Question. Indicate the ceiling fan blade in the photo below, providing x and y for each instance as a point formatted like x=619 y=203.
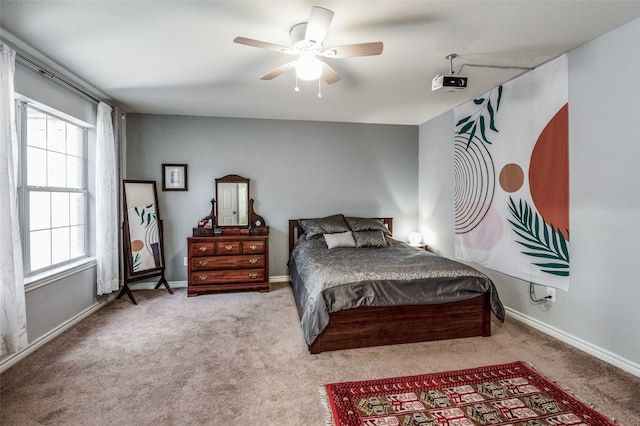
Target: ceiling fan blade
x=278 y=71
x=318 y=24
x=329 y=74
x=261 y=44
x=351 y=50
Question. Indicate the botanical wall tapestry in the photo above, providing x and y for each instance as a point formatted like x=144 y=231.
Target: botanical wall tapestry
x=511 y=172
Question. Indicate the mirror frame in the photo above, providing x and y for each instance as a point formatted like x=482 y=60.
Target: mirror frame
x=233 y=179
x=146 y=193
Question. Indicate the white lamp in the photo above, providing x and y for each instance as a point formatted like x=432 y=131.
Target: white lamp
x=415 y=238
x=308 y=67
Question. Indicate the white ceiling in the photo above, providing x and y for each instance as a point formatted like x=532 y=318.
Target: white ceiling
x=178 y=57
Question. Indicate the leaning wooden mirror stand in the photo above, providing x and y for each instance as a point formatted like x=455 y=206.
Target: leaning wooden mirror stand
x=142 y=236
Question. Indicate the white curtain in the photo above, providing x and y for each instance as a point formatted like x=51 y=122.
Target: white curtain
x=13 y=319
x=106 y=204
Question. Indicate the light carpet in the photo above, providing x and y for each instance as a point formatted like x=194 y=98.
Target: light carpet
x=240 y=358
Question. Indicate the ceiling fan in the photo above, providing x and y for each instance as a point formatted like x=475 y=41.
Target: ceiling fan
x=306 y=42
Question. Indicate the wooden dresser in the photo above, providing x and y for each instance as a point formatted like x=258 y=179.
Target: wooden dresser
x=228 y=263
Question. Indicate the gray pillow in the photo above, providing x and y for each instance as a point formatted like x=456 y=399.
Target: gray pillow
x=369 y=239
x=325 y=225
x=358 y=224
x=341 y=239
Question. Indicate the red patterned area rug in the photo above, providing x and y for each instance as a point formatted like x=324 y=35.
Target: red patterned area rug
x=509 y=394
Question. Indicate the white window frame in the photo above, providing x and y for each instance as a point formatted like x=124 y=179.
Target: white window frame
x=24 y=190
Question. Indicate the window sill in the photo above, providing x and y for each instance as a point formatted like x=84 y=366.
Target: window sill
x=39 y=280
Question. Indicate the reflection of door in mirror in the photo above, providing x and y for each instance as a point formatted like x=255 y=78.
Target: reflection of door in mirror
x=232 y=204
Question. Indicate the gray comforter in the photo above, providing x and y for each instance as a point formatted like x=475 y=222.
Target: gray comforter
x=330 y=280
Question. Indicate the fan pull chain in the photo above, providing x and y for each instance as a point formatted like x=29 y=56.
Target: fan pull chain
x=297 y=88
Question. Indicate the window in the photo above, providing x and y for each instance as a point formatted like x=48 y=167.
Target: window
x=53 y=190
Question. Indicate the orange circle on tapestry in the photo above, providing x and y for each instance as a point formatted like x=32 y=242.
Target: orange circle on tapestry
x=511 y=177
x=136 y=245
x=549 y=172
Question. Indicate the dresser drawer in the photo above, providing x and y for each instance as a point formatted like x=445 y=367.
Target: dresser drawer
x=227 y=262
x=202 y=249
x=249 y=247
x=223 y=277
x=224 y=248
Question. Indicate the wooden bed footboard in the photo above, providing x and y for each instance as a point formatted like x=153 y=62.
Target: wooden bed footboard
x=377 y=326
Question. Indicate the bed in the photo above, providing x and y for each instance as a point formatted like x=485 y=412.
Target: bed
x=376 y=290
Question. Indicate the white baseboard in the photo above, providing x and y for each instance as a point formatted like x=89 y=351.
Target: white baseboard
x=598 y=352
x=280 y=279
x=39 y=342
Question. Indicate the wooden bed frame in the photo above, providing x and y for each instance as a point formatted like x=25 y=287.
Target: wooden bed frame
x=376 y=326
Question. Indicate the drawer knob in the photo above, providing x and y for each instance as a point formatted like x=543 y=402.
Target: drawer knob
x=253 y=275
x=203 y=248
x=253 y=261
x=253 y=246
x=228 y=247
x=202 y=277
x=203 y=263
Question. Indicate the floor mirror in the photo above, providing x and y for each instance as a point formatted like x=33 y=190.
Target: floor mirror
x=142 y=233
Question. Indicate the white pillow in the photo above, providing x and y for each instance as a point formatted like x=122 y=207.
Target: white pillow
x=341 y=239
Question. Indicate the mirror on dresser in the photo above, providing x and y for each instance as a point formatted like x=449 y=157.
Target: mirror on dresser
x=232 y=210
x=232 y=202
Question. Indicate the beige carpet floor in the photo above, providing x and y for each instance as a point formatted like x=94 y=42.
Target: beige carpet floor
x=240 y=359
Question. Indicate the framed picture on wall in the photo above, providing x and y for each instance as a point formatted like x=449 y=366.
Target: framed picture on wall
x=174 y=177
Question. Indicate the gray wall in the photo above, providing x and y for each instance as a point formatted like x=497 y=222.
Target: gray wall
x=53 y=304
x=297 y=169
x=599 y=311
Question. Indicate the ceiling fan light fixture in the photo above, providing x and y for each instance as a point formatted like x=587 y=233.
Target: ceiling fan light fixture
x=307 y=39
x=308 y=67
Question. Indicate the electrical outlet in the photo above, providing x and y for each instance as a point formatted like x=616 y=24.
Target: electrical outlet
x=185 y=262
x=551 y=294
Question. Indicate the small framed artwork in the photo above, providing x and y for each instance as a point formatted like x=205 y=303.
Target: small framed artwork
x=174 y=177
